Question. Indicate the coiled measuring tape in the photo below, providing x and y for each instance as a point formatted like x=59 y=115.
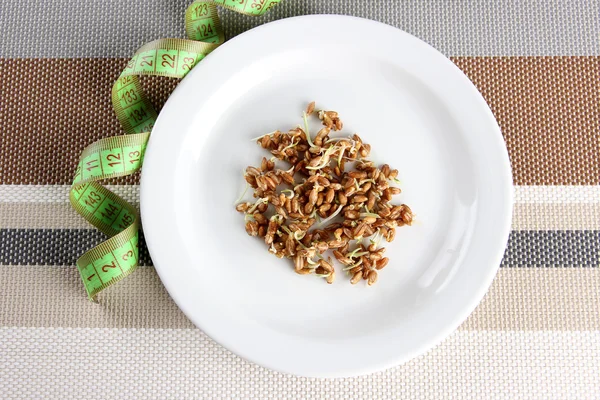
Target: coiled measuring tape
x=117 y=156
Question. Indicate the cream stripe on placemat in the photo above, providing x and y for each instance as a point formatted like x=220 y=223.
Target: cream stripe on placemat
x=153 y=363
x=553 y=216
x=535 y=208
x=519 y=299
x=579 y=194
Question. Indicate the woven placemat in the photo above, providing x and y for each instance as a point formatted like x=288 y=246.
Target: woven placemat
x=536 y=335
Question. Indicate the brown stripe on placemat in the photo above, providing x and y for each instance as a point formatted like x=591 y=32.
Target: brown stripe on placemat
x=519 y=299
x=54 y=108
x=549 y=111
x=547 y=107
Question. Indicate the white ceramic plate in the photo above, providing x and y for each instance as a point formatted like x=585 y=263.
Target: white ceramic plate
x=419 y=113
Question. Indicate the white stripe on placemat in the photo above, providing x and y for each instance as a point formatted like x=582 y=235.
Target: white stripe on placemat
x=59 y=363
x=57 y=193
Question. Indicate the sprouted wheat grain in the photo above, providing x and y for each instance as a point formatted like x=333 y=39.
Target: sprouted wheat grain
x=319 y=186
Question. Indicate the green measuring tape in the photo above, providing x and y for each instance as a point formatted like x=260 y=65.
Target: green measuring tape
x=111 y=157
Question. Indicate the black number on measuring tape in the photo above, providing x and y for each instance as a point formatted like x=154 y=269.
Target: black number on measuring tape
x=138 y=115
x=92 y=198
x=205 y=29
x=126 y=221
x=109 y=212
x=129 y=96
x=200 y=10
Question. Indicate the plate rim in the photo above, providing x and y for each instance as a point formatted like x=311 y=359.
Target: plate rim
x=478 y=294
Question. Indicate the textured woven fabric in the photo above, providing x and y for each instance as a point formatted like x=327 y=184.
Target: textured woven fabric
x=116 y=28
x=535 y=335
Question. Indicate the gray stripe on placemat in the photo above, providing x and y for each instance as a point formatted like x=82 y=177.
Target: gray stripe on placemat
x=116 y=28
x=552 y=248
x=54 y=246
x=525 y=248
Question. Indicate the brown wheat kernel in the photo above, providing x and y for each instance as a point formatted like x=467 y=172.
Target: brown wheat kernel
x=242 y=207
x=258 y=217
x=304 y=271
x=252 y=228
x=375 y=256
x=334 y=244
x=330 y=278
x=382 y=263
x=262 y=231
x=372 y=278
x=356 y=277
x=385 y=170
x=391 y=234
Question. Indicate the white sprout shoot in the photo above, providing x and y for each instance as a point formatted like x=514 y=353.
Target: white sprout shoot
x=349 y=267
x=239 y=199
x=277 y=218
x=258 y=203
x=353 y=148
x=272 y=249
x=338 y=139
x=289 y=146
x=308 y=139
x=341 y=155
x=323 y=275
x=325 y=158
x=262 y=136
x=355 y=253
x=290 y=191
x=376 y=238
x=332 y=216
x=298 y=238
x=298 y=235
